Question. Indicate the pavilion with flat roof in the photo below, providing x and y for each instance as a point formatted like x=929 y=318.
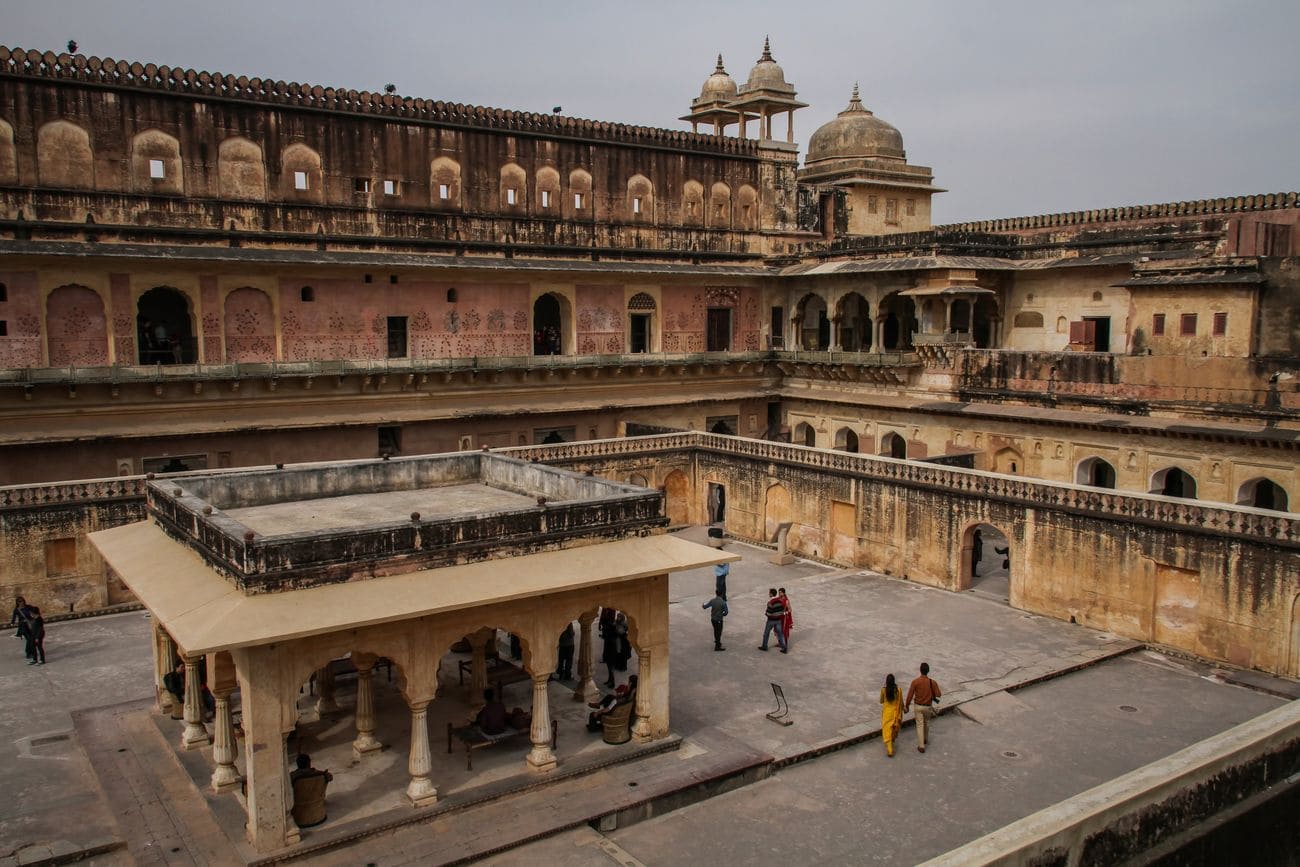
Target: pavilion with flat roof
x=275 y=574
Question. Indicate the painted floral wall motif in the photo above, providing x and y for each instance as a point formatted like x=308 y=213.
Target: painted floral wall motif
x=250 y=326
x=601 y=313
x=77 y=327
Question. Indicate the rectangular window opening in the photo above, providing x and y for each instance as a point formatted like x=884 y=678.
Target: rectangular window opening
x=361 y=185
x=636 y=204
x=1158 y=324
x=396 y=336
x=891 y=210
x=157 y=170
x=577 y=201
x=873 y=205
x=911 y=207
x=1220 y=324
x=300 y=180
x=1187 y=325
x=546 y=198
x=391 y=187
x=4 y=328
x=510 y=195
x=390 y=440
x=444 y=191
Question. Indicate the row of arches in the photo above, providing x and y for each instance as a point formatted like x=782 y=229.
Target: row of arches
x=851 y=327
x=892 y=444
x=65 y=158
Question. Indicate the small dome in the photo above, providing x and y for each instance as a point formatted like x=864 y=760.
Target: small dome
x=855 y=132
x=718 y=87
x=767 y=74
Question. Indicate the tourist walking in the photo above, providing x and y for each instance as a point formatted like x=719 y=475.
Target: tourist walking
x=18 y=619
x=788 y=623
x=775 y=621
x=891 y=713
x=720 y=573
x=717 y=610
x=35 y=636
x=564 y=654
x=924 y=693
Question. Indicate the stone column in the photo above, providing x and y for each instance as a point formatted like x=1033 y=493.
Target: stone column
x=162 y=665
x=365 y=744
x=641 y=730
x=586 y=689
x=221 y=674
x=789 y=126
x=420 y=790
x=195 y=734
x=225 y=776
x=837 y=334
x=269 y=797
x=541 y=757
x=292 y=834
x=325 y=702
x=947 y=315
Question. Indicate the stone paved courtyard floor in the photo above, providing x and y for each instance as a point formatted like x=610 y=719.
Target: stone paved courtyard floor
x=998 y=756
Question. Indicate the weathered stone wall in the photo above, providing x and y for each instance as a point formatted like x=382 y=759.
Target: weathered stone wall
x=1219 y=582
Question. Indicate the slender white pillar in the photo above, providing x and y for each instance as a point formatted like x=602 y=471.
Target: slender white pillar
x=420 y=790
x=645 y=686
x=541 y=757
x=225 y=776
x=586 y=689
x=365 y=743
x=195 y=734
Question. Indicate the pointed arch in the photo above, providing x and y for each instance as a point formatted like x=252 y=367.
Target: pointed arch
x=8 y=154
x=893 y=445
x=513 y=193
x=301 y=177
x=579 y=202
x=719 y=215
x=1261 y=493
x=778 y=509
x=76 y=327
x=548 y=192
x=1095 y=472
x=249 y=325
x=64 y=157
x=1174 y=482
x=156 y=163
x=746 y=208
x=805 y=435
x=693 y=203
x=241 y=170
x=640 y=205
x=846 y=440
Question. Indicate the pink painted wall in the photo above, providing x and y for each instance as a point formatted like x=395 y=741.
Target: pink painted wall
x=250 y=326
x=602 y=311
x=22 y=317
x=77 y=327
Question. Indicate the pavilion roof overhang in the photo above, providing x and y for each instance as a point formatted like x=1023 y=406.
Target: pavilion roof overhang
x=204 y=613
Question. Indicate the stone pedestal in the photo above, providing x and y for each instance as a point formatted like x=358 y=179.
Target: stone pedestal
x=365 y=743
x=541 y=757
x=420 y=790
x=225 y=776
x=195 y=735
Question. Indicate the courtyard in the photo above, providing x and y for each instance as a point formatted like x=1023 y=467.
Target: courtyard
x=1035 y=711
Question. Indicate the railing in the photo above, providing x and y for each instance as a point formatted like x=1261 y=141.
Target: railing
x=66 y=493
x=1265 y=525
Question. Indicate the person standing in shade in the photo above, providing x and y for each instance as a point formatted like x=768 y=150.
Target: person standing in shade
x=564 y=661
x=976 y=554
x=720 y=573
x=35 y=635
x=924 y=693
x=775 y=621
x=891 y=713
x=609 y=652
x=19 y=619
x=717 y=610
x=788 y=623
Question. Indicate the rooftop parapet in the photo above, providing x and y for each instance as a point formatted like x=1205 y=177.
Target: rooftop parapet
x=281 y=529
x=1164 y=210
x=216 y=85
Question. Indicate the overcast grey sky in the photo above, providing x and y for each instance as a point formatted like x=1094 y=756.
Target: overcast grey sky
x=1020 y=107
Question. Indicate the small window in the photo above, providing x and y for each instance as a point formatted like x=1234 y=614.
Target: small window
x=1187 y=328
x=361 y=185
x=891 y=210
x=390 y=440
x=873 y=205
x=4 y=292
x=546 y=198
x=1220 y=324
x=391 y=188
x=60 y=556
x=911 y=207
x=510 y=195
x=369 y=278
x=636 y=204
x=300 y=180
x=1096 y=296
x=157 y=170
x=577 y=201
x=444 y=191
x=1158 y=324
x=451 y=296
x=4 y=328
x=392 y=278
x=308 y=294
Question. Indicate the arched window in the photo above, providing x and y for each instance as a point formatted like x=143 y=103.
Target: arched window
x=1095 y=472
x=301 y=177
x=815 y=331
x=514 y=189
x=548 y=192
x=893 y=445
x=640 y=206
x=241 y=170
x=692 y=203
x=719 y=214
x=550 y=325
x=156 y=163
x=746 y=208
x=641 y=323
x=76 y=327
x=579 y=202
x=1174 y=482
x=451 y=296
x=444 y=183
x=8 y=154
x=1263 y=494
x=804 y=435
x=846 y=440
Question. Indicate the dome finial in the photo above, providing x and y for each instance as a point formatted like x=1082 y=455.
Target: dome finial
x=855 y=102
x=719 y=67
x=767 y=50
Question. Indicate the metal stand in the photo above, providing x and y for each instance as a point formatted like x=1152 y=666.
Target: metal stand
x=782 y=707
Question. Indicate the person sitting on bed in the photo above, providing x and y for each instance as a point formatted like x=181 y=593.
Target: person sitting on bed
x=491 y=720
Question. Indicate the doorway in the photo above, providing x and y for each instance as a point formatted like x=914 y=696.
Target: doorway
x=718 y=337
x=717 y=503
x=986 y=563
x=1099 y=332
x=163 y=327
x=548 y=326
x=639 y=333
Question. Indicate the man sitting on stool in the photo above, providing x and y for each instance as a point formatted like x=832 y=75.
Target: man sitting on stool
x=308 y=792
x=493 y=718
x=604 y=706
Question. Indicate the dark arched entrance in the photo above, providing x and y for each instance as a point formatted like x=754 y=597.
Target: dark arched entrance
x=894 y=446
x=548 y=326
x=164 y=330
x=1097 y=473
x=1174 y=482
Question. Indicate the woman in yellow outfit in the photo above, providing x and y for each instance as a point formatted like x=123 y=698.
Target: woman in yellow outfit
x=891 y=713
